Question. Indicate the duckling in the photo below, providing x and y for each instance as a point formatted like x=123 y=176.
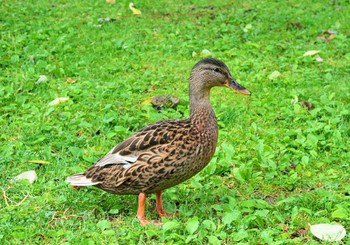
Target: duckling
x=165 y=153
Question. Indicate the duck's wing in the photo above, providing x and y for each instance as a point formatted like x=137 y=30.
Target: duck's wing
x=151 y=146
x=157 y=139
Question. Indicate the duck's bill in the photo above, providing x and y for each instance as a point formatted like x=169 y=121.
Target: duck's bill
x=237 y=87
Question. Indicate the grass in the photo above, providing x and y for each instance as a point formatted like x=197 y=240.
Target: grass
x=278 y=165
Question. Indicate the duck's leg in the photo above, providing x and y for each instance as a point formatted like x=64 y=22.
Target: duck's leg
x=141 y=209
x=159 y=206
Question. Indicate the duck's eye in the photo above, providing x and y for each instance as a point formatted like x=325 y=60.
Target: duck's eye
x=217 y=70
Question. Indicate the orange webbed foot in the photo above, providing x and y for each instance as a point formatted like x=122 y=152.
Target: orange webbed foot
x=159 y=207
x=141 y=212
x=144 y=222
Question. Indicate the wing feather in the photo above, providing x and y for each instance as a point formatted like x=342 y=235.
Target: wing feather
x=144 y=145
x=156 y=147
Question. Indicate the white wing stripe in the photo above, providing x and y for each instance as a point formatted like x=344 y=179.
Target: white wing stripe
x=117 y=159
x=80 y=180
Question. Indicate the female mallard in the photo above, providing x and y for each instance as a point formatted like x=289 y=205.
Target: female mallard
x=168 y=152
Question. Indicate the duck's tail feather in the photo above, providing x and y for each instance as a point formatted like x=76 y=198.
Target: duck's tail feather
x=80 y=180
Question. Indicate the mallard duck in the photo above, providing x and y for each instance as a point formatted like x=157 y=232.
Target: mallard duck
x=165 y=153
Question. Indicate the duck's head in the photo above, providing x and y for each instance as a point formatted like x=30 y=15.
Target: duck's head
x=211 y=72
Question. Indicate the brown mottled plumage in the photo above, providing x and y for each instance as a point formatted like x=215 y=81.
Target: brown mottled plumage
x=168 y=152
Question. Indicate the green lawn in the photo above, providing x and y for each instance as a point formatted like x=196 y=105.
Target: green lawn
x=278 y=166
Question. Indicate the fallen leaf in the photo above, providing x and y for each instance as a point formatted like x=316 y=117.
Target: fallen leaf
x=311 y=53
x=134 y=10
x=205 y=53
x=42 y=79
x=28 y=175
x=308 y=105
x=39 y=161
x=330 y=37
x=328 y=232
x=147 y=101
x=274 y=75
x=327 y=35
x=299 y=233
x=71 y=80
x=295 y=100
x=318 y=58
x=110 y=1
x=58 y=101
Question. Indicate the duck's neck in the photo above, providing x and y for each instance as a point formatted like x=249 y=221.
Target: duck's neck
x=203 y=118
x=200 y=107
x=199 y=96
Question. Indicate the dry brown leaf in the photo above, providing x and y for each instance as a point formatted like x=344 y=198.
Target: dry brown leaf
x=308 y=105
x=110 y=1
x=327 y=35
x=71 y=80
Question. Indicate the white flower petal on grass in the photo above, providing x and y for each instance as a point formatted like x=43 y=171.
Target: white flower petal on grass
x=205 y=53
x=274 y=75
x=328 y=232
x=318 y=58
x=311 y=52
x=58 y=101
x=42 y=79
x=28 y=175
